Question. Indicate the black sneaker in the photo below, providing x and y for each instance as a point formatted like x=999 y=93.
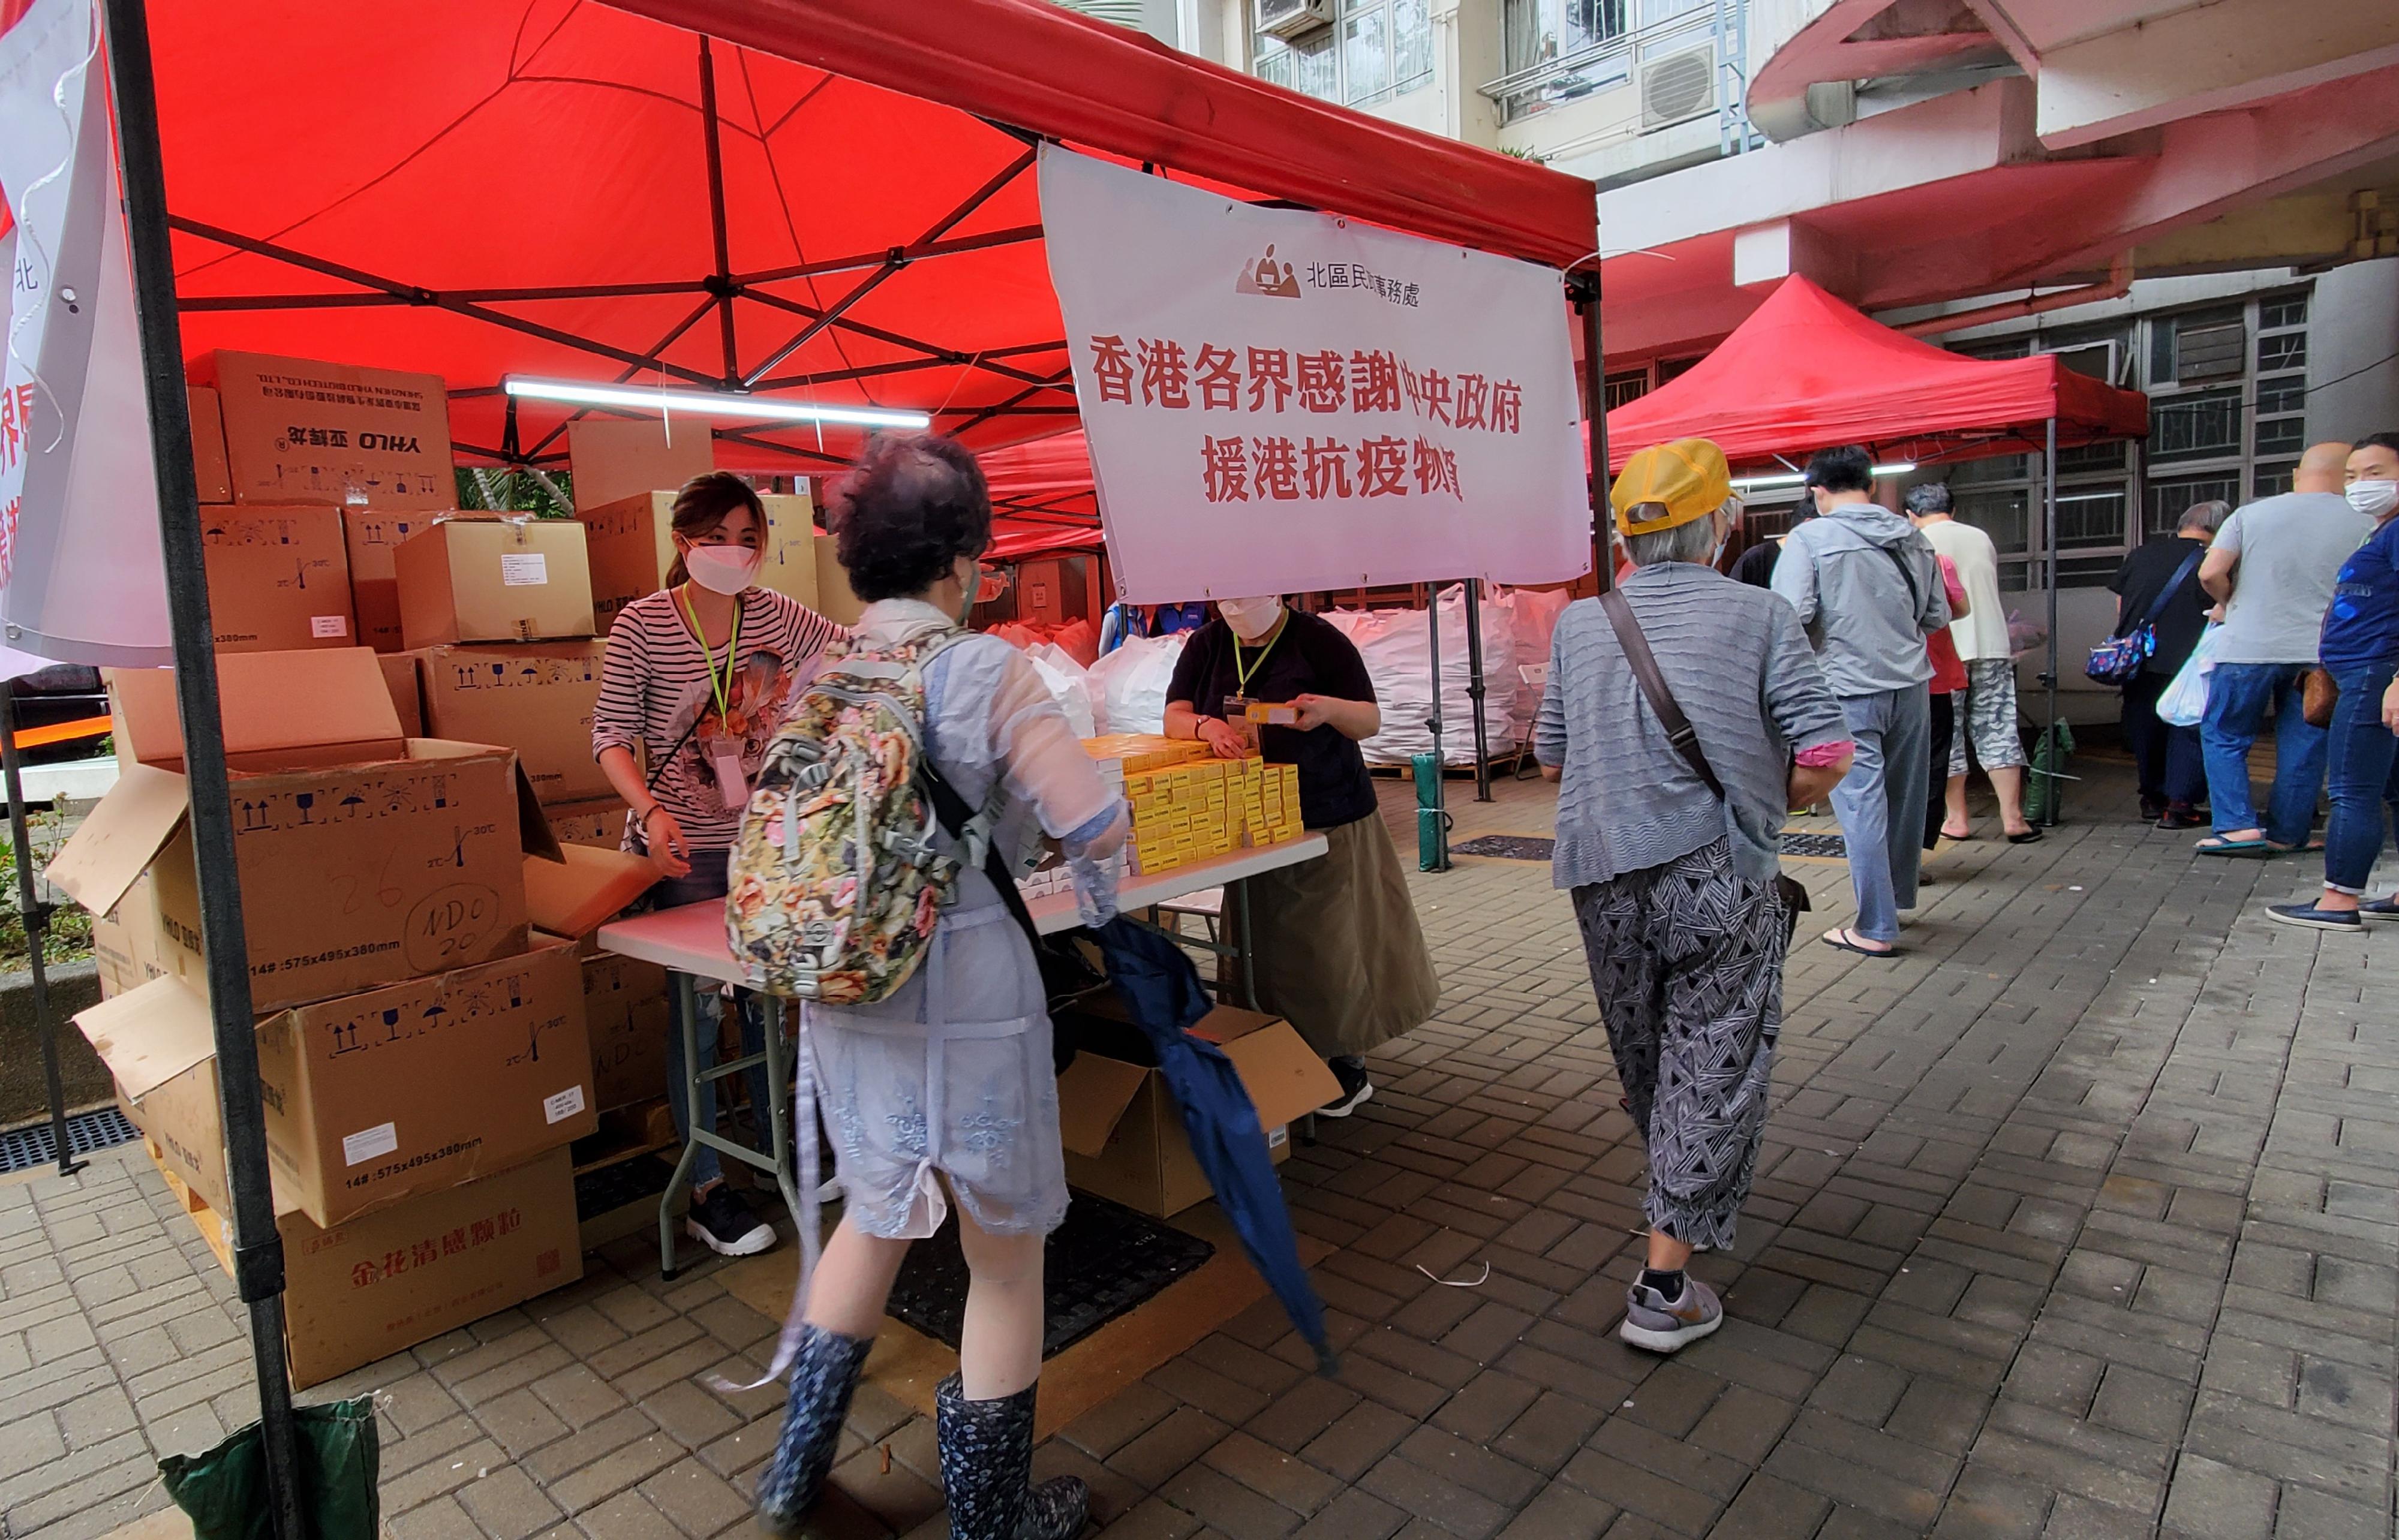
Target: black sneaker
x=725 y=1224
x=1356 y=1090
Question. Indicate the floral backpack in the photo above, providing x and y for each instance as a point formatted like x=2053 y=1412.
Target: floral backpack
x=836 y=884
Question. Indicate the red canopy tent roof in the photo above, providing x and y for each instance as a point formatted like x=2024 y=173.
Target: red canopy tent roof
x=831 y=199
x=1808 y=370
x=1042 y=495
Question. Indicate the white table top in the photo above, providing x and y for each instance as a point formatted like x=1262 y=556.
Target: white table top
x=691 y=938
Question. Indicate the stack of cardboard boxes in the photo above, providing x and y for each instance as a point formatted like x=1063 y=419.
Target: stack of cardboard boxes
x=423 y=1069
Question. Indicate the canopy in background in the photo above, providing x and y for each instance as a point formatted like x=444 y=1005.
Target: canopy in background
x=481 y=189
x=1043 y=498
x=1807 y=371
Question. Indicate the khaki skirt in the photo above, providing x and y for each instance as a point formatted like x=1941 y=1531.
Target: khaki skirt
x=1336 y=947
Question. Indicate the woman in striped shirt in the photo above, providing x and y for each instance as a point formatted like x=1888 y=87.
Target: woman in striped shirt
x=698 y=677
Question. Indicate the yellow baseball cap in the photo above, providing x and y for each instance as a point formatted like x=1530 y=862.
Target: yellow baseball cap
x=1667 y=485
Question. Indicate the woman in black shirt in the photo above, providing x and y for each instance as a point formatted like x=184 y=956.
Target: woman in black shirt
x=2173 y=783
x=1335 y=942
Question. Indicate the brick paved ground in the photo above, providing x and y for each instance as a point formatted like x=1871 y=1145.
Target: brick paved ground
x=2080 y=1220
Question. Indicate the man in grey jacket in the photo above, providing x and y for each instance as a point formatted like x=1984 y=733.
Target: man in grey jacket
x=1868 y=589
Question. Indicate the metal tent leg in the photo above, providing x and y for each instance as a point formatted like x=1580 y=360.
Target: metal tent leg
x=2056 y=789
x=1474 y=688
x=37 y=915
x=257 y=1244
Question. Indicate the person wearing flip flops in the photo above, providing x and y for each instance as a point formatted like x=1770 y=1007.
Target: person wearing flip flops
x=1868 y=587
x=1682 y=717
x=2360 y=652
x=2273 y=567
x=1985 y=714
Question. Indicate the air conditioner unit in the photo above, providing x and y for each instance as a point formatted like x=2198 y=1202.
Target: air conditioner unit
x=1677 y=86
x=1292 y=17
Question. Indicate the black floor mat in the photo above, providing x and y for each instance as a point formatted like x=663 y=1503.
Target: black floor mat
x=1102 y=1263
x=610 y=1187
x=1816 y=845
x=1507 y=847
x=104 y=1129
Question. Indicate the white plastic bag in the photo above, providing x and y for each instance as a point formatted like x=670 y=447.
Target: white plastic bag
x=2184 y=700
x=1129 y=685
x=1068 y=685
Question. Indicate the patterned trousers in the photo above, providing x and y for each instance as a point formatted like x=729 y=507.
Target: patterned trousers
x=1687 y=961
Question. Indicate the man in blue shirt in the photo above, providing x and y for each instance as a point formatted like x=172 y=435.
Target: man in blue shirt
x=2360 y=650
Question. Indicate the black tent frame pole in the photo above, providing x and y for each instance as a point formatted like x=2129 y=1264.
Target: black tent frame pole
x=2049 y=672
x=257 y=1247
x=1474 y=688
x=37 y=915
x=1595 y=407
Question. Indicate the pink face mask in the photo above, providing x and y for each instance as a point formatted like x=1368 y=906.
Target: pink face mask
x=723 y=569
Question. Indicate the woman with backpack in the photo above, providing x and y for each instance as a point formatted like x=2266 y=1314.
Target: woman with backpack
x=697 y=677
x=946 y=1090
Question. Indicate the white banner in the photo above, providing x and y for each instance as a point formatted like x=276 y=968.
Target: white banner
x=81 y=576
x=1283 y=401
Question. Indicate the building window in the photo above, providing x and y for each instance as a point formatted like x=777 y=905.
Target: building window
x=1559 y=51
x=2168 y=501
x=2196 y=348
x=1378 y=49
x=2196 y=426
x=1629 y=385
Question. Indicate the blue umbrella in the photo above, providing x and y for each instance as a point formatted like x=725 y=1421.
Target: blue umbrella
x=1163 y=994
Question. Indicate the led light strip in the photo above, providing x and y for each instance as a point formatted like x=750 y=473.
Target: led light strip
x=706 y=403
x=1793 y=479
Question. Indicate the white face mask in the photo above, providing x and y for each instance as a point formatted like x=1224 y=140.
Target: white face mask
x=723 y=569
x=2374 y=498
x=1250 y=619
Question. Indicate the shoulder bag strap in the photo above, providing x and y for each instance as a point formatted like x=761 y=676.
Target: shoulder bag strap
x=1679 y=731
x=2174 y=585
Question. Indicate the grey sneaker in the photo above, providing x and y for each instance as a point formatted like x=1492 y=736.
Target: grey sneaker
x=1651 y=1322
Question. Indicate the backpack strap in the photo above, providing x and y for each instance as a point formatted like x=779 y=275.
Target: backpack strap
x=967 y=825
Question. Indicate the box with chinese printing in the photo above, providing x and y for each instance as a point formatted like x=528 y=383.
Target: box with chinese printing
x=632 y=548
x=389 y=1280
x=1124 y=1137
x=477 y=579
x=372 y=535
x=300 y=431
x=364 y=858
x=374 y=1097
x=279 y=580
x=536 y=698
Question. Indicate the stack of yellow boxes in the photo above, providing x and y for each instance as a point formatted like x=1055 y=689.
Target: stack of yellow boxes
x=1269 y=803
x=1183 y=801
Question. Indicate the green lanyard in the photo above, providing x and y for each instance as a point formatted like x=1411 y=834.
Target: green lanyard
x=720 y=689
x=1241 y=676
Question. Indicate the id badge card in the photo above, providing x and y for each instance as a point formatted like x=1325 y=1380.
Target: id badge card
x=732 y=785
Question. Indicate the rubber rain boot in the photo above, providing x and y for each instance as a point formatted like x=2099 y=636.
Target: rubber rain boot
x=824 y=1373
x=987 y=1471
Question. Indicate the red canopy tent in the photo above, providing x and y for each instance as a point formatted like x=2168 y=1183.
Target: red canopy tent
x=806 y=196
x=1043 y=496
x=1807 y=371
x=827 y=198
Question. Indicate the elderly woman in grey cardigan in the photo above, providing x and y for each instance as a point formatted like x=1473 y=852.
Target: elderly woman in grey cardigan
x=1675 y=884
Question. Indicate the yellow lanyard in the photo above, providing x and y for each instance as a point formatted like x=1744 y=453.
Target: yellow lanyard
x=720 y=689
x=1241 y=676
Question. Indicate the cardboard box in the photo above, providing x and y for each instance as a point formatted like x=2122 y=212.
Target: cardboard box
x=209 y=467
x=835 y=600
x=364 y=858
x=372 y=535
x=1123 y=1136
x=384 y=1283
x=584 y=888
x=632 y=548
x=626 y=1014
x=377 y=1097
x=599 y=823
x=536 y=698
x=300 y=431
x=478 y=579
x=615 y=457
x=279 y=580
x=407 y=696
